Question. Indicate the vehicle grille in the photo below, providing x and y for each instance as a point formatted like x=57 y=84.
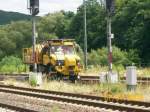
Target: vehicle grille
x=71 y=67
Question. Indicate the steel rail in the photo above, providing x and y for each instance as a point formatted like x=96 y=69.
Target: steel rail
x=83 y=102
x=96 y=79
x=15 y=108
x=14 y=74
x=82 y=78
x=140 y=103
x=94 y=101
x=121 y=78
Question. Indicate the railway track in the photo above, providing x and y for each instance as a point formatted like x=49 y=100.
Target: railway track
x=94 y=101
x=11 y=108
x=20 y=77
x=83 y=79
x=96 y=79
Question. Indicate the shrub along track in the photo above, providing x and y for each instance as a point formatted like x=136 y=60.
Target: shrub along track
x=94 y=101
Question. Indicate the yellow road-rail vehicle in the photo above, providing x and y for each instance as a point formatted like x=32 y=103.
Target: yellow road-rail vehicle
x=55 y=57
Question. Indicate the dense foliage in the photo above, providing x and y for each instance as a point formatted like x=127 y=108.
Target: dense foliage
x=99 y=56
x=55 y=25
x=12 y=64
x=130 y=24
x=96 y=25
x=13 y=37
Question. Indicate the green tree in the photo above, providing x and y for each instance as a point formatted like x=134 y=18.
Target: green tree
x=96 y=25
x=54 y=25
x=14 y=37
x=6 y=45
x=131 y=27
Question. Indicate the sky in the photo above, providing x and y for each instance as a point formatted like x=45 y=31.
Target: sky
x=46 y=6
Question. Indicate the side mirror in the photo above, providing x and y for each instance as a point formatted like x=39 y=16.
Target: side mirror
x=77 y=49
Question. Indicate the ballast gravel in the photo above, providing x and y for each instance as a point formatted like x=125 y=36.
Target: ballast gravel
x=6 y=110
x=44 y=105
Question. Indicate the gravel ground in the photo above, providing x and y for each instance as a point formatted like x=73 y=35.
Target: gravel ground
x=43 y=105
x=6 y=110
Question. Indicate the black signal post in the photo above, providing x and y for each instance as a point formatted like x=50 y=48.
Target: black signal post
x=33 y=6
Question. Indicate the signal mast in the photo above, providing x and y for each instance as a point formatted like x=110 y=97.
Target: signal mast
x=85 y=36
x=33 y=6
x=110 y=7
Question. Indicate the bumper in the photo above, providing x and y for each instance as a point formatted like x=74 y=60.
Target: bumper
x=68 y=70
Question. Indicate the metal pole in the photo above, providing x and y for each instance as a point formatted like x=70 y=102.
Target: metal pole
x=34 y=44
x=109 y=42
x=85 y=37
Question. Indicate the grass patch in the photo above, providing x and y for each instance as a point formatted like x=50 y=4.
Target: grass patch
x=143 y=72
x=108 y=90
x=97 y=89
x=33 y=82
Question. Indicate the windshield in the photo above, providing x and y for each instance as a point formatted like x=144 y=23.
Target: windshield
x=62 y=50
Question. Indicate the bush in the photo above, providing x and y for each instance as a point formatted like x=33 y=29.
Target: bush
x=100 y=57
x=116 y=89
x=33 y=82
x=11 y=64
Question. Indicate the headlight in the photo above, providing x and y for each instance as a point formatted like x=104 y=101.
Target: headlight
x=60 y=63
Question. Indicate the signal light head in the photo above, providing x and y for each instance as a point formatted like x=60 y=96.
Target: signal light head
x=110 y=6
x=34 y=7
x=34 y=3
